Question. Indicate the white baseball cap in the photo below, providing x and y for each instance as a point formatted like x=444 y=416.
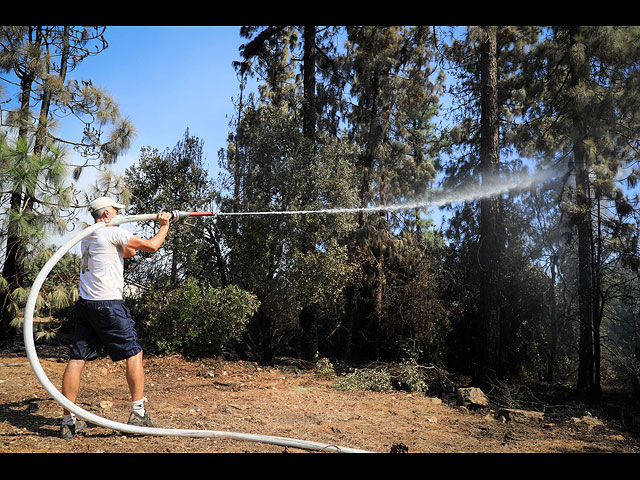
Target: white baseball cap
x=103 y=202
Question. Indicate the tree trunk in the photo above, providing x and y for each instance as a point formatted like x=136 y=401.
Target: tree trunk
x=553 y=344
x=490 y=248
x=585 y=285
x=585 y=382
x=598 y=303
x=308 y=316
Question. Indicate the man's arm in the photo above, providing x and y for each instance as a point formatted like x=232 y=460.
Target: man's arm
x=150 y=245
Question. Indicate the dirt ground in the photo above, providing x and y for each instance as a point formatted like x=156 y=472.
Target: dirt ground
x=284 y=401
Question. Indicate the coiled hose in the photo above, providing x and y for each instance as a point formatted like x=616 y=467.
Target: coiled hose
x=123 y=427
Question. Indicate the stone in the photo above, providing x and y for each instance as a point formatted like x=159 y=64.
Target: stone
x=514 y=414
x=472 y=397
x=589 y=421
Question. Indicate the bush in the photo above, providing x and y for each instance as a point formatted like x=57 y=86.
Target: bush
x=364 y=379
x=325 y=367
x=411 y=376
x=197 y=319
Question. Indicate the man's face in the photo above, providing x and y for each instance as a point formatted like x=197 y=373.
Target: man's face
x=112 y=212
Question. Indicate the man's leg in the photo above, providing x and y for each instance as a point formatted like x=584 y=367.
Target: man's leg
x=135 y=377
x=135 y=380
x=71 y=380
x=70 y=387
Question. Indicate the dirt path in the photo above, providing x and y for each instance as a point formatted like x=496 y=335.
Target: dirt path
x=219 y=395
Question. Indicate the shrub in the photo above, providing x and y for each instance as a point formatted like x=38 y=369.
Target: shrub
x=196 y=318
x=364 y=379
x=411 y=376
x=325 y=367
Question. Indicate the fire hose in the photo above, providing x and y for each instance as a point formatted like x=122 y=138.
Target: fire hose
x=123 y=427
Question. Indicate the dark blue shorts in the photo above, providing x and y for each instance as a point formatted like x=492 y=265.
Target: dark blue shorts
x=104 y=324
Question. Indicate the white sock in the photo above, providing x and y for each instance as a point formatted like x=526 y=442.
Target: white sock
x=138 y=407
x=68 y=419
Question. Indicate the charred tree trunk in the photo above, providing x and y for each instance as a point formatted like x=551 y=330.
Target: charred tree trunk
x=553 y=343
x=490 y=248
x=585 y=279
x=583 y=225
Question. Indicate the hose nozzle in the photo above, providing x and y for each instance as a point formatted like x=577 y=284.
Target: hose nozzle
x=179 y=215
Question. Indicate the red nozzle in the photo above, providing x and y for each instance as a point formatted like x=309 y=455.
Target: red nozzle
x=201 y=214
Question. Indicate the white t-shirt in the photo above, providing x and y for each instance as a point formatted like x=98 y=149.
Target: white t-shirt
x=101 y=273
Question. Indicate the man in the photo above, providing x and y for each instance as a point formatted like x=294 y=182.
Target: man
x=102 y=318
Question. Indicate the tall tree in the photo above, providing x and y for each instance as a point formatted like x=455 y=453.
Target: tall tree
x=584 y=107
x=392 y=100
x=277 y=162
x=175 y=180
x=313 y=54
x=491 y=239
x=40 y=58
x=487 y=64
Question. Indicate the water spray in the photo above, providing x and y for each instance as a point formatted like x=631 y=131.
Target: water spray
x=489 y=188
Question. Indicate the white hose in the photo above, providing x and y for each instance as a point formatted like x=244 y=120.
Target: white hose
x=123 y=427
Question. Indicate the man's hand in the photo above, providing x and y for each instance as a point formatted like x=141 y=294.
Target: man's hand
x=164 y=218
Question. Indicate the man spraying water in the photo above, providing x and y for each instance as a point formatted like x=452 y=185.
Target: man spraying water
x=101 y=286
x=103 y=321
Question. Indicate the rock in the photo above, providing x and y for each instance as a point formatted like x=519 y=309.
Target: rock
x=472 y=397
x=514 y=414
x=588 y=420
x=434 y=400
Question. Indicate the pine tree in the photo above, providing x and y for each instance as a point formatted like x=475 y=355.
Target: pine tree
x=487 y=62
x=584 y=108
x=40 y=58
x=278 y=160
x=392 y=102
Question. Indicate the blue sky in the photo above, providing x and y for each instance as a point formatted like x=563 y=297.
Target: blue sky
x=165 y=80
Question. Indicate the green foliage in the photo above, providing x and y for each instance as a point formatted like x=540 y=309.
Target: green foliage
x=174 y=179
x=375 y=380
x=60 y=289
x=289 y=261
x=56 y=298
x=412 y=377
x=325 y=367
x=196 y=318
x=40 y=177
